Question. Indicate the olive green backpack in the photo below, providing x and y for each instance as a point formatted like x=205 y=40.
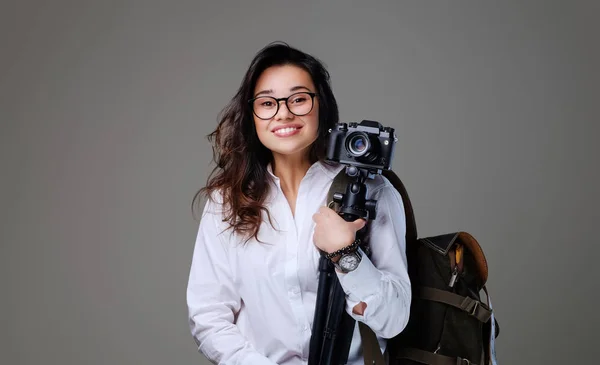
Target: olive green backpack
x=449 y=323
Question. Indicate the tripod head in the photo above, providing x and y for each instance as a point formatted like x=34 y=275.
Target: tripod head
x=354 y=203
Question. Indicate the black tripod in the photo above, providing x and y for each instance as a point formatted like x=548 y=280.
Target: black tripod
x=333 y=326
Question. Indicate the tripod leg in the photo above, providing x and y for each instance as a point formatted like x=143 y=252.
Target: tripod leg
x=337 y=339
x=344 y=337
x=326 y=278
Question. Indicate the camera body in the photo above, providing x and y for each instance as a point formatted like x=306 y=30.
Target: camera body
x=367 y=145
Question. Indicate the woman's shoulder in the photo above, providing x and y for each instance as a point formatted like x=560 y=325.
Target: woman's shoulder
x=380 y=187
x=377 y=183
x=212 y=204
x=213 y=219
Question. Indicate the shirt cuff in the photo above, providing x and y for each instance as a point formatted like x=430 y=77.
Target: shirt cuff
x=363 y=282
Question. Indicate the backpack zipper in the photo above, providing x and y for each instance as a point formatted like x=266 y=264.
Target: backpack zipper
x=455 y=263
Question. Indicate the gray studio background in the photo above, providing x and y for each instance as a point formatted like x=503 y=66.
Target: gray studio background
x=104 y=108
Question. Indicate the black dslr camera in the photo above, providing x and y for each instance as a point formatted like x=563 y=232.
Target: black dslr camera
x=367 y=145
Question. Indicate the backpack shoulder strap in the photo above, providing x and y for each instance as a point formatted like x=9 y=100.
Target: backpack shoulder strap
x=411 y=225
x=371 y=350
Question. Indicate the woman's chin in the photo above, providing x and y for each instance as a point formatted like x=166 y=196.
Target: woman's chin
x=291 y=153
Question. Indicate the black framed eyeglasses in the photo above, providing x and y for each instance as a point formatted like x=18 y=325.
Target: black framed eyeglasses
x=299 y=104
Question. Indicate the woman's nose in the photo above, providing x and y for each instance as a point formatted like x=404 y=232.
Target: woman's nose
x=283 y=112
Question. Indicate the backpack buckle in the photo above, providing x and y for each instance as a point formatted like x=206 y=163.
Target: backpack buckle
x=462 y=361
x=474 y=310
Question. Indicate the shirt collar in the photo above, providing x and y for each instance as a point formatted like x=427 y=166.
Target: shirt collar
x=270 y=171
x=331 y=169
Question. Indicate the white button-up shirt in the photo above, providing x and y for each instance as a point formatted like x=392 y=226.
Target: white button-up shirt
x=254 y=303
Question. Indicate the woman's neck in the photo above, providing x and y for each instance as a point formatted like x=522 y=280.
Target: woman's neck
x=290 y=170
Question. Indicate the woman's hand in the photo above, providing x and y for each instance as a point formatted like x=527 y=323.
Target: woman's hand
x=332 y=232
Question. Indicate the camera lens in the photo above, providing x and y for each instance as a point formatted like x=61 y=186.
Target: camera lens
x=358 y=145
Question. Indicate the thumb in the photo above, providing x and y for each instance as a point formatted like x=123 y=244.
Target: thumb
x=359 y=223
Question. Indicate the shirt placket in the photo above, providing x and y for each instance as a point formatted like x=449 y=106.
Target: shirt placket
x=293 y=285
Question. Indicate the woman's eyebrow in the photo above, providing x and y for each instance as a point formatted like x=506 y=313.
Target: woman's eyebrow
x=295 y=88
x=270 y=91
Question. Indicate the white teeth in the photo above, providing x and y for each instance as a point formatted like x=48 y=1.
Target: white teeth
x=285 y=130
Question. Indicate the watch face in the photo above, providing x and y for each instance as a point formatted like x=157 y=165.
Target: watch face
x=349 y=262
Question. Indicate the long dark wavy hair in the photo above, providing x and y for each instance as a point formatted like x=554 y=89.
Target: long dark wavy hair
x=240 y=174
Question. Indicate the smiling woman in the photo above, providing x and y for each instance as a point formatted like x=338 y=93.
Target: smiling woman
x=242 y=149
x=253 y=284
x=276 y=122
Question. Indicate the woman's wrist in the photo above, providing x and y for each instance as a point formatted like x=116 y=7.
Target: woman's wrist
x=336 y=255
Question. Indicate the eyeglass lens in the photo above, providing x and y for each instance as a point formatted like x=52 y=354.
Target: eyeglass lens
x=266 y=107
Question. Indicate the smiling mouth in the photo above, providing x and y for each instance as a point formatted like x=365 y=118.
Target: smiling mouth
x=288 y=131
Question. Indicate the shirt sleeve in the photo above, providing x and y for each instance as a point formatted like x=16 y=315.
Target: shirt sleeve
x=213 y=301
x=382 y=281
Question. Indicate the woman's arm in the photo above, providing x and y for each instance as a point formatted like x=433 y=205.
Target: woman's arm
x=378 y=290
x=213 y=301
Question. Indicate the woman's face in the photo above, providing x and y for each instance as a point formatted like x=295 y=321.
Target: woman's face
x=280 y=130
